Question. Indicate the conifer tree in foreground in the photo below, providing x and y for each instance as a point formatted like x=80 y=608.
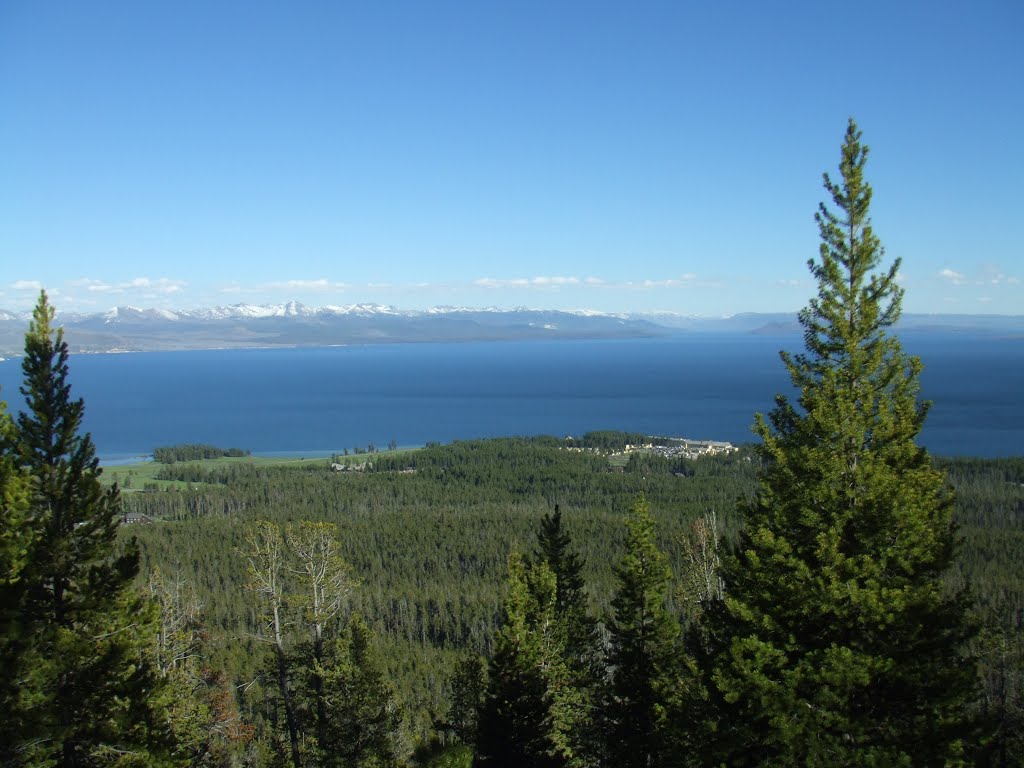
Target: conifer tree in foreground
x=526 y=718
x=89 y=696
x=582 y=655
x=468 y=685
x=365 y=719
x=837 y=642
x=642 y=652
x=16 y=538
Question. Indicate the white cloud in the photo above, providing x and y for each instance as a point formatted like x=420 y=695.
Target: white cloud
x=954 y=277
x=95 y=286
x=320 y=285
x=555 y=281
x=986 y=276
x=993 y=275
x=27 y=285
x=490 y=282
x=687 y=278
x=544 y=282
x=162 y=287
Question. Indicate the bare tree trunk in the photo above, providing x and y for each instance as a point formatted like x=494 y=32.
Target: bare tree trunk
x=291 y=722
x=327 y=581
x=265 y=555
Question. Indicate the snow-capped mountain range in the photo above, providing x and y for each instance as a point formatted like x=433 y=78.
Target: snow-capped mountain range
x=128 y=328
x=288 y=309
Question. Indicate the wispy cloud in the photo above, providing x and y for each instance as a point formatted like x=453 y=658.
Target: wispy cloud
x=27 y=285
x=163 y=286
x=542 y=282
x=671 y=282
x=555 y=281
x=993 y=275
x=526 y=282
x=320 y=285
x=955 y=278
x=988 y=275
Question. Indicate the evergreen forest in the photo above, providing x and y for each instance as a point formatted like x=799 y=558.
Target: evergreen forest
x=828 y=595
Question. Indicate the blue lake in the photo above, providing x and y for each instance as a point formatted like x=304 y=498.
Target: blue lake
x=313 y=401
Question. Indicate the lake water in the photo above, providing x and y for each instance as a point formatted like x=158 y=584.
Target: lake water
x=315 y=401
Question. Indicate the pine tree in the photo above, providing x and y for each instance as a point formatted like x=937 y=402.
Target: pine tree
x=90 y=695
x=583 y=658
x=468 y=685
x=365 y=724
x=642 y=653
x=16 y=539
x=837 y=642
x=527 y=717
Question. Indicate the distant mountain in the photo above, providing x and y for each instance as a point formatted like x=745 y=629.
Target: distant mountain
x=294 y=324
x=782 y=323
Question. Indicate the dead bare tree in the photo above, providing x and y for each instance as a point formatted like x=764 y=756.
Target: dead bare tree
x=700 y=578
x=265 y=555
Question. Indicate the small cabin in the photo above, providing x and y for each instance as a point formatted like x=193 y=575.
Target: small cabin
x=134 y=518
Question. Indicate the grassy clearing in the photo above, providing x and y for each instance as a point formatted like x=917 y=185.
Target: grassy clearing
x=618 y=459
x=132 y=478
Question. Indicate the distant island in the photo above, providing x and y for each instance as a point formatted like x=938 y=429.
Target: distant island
x=131 y=329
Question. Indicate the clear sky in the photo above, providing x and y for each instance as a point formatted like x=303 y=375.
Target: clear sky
x=640 y=156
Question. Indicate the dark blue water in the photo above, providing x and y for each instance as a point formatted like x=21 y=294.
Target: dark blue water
x=315 y=401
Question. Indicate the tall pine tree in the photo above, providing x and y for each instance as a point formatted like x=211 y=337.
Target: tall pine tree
x=837 y=642
x=364 y=728
x=582 y=656
x=642 y=652
x=88 y=699
x=528 y=713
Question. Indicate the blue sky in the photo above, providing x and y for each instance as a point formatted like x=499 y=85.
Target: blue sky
x=605 y=156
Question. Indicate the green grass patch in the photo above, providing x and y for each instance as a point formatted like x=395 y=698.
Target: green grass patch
x=618 y=459
x=132 y=478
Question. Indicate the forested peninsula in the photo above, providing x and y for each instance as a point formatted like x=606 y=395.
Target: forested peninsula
x=832 y=595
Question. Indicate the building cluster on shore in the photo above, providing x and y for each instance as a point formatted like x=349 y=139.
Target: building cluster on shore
x=669 y=447
x=684 y=448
